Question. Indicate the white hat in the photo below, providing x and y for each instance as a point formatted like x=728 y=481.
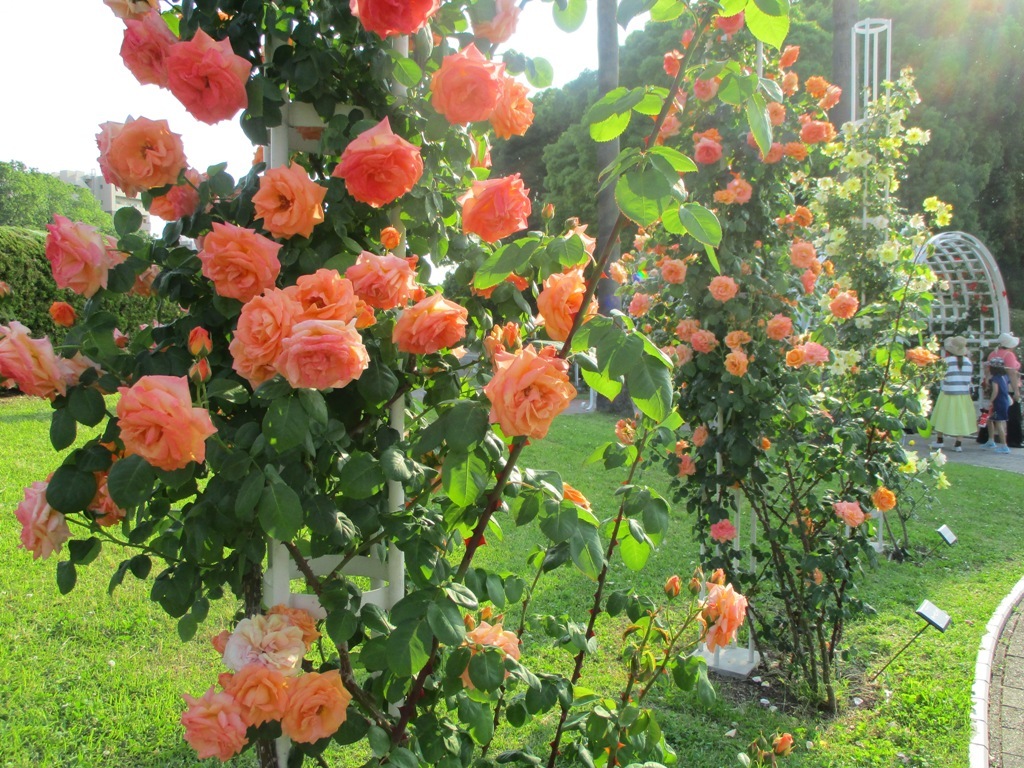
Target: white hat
x=1007 y=340
x=956 y=345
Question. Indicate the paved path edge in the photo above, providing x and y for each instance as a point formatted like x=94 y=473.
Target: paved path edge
x=979 y=748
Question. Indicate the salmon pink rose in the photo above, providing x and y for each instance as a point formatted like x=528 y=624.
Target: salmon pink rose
x=466 y=87
x=817 y=132
x=723 y=288
x=63 y=314
x=795 y=150
x=673 y=271
x=729 y=25
x=272 y=641
x=43 y=529
x=686 y=327
x=703 y=341
x=429 y=325
x=722 y=614
x=393 y=17
x=322 y=354
x=687 y=466
x=213 y=725
x=317 y=707
x=513 y=113
x=302 y=619
x=707 y=151
x=131 y=9
x=240 y=262
x=104 y=508
x=384 y=282
x=705 y=90
x=844 y=305
x=560 y=301
x=849 y=512
x=671 y=63
x=80 y=257
x=501 y=26
x=779 y=327
x=723 y=531
x=775 y=154
x=144 y=48
x=618 y=273
x=289 y=202
x=485 y=636
x=31 y=363
x=495 y=208
x=179 y=201
x=208 y=77
x=808 y=280
x=260 y=692
x=802 y=254
x=528 y=391
x=159 y=423
x=379 y=166
x=325 y=295
x=140 y=154
x=262 y=326
x=699 y=436
x=776 y=113
x=640 y=304
x=625 y=431
x=789 y=56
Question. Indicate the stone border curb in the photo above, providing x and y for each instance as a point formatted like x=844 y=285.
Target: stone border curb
x=979 y=748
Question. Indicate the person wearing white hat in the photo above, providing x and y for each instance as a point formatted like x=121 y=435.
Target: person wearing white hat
x=1005 y=345
x=954 y=410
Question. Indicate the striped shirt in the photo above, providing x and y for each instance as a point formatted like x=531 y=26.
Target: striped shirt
x=958 y=378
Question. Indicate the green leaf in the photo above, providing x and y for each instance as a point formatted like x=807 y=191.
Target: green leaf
x=63 y=429
x=686 y=670
x=634 y=553
x=769 y=29
x=604 y=385
x=187 y=626
x=487 y=670
x=408 y=647
x=465 y=425
x=464 y=477
x=570 y=18
x=127 y=220
x=227 y=390
x=83 y=552
x=87 y=406
x=407 y=72
x=280 y=511
x=341 y=625
x=650 y=387
x=562 y=524
x=250 y=493
x=757 y=119
x=701 y=224
x=378 y=383
x=643 y=194
x=630 y=9
x=539 y=72
x=586 y=550
x=445 y=621
x=130 y=481
x=70 y=489
x=286 y=424
x=667 y=10
x=705 y=690
x=67 y=576
x=513 y=257
x=395 y=465
x=361 y=477
x=679 y=162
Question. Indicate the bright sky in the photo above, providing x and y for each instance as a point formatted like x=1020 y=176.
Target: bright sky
x=63 y=83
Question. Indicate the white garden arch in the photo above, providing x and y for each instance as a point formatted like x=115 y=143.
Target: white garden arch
x=971 y=300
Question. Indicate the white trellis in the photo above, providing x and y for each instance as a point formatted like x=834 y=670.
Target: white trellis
x=871 y=48
x=386 y=575
x=972 y=291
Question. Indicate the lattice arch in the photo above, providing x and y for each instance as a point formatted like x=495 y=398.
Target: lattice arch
x=974 y=305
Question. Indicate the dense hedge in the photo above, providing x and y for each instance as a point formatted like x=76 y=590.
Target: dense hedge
x=23 y=266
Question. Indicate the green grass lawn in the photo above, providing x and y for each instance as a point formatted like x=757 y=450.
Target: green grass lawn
x=94 y=680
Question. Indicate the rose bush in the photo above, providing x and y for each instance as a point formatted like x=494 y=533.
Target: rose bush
x=276 y=413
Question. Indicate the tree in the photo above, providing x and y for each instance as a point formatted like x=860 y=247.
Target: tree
x=844 y=16
x=31 y=198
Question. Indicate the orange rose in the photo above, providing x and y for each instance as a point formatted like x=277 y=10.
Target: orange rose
x=325 y=295
x=776 y=113
x=789 y=56
x=883 y=499
x=393 y=17
x=722 y=614
x=779 y=327
x=736 y=362
x=501 y=26
x=466 y=87
x=673 y=271
x=144 y=48
x=783 y=745
x=432 y=324
x=214 y=726
x=384 y=282
x=260 y=692
x=301 y=619
x=322 y=354
x=262 y=326
x=63 y=314
x=560 y=301
x=736 y=339
x=569 y=493
x=723 y=288
x=795 y=150
x=686 y=327
x=240 y=262
x=379 y=166
x=802 y=254
x=104 y=508
x=687 y=466
x=208 y=77
x=159 y=423
x=140 y=154
x=528 y=391
x=317 y=706
x=802 y=216
x=808 y=279
x=513 y=112
x=816 y=86
x=921 y=356
x=618 y=273
x=707 y=151
x=495 y=208
x=179 y=201
x=795 y=357
x=832 y=95
x=390 y=238
x=699 y=436
x=817 y=131
x=289 y=202
x=640 y=304
x=844 y=306
x=790 y=83
x=486 y=636
x=775 y=154
x=729 y=25
x=703 y=341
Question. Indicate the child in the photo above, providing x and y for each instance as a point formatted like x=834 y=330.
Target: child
x=954 y=410
x=999 y=405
